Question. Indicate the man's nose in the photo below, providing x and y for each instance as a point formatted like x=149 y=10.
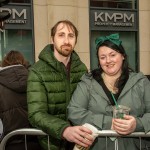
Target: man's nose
x=66 y=40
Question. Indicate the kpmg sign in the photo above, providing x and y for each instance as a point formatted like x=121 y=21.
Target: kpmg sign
x=113 y=20
x=20 y=17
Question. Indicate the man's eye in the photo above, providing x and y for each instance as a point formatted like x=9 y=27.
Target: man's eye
x=61 y=35
x=71 y=35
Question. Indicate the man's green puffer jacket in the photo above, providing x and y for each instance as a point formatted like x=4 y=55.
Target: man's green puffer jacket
x=49 y=92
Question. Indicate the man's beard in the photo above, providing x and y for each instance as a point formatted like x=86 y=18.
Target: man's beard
x=65 y=50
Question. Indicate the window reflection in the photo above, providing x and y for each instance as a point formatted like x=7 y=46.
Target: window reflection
x=17 y=39
x=130 y=4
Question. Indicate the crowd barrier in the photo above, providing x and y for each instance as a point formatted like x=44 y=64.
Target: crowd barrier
x=111 y=133
x=25 y=132
x=37 y=132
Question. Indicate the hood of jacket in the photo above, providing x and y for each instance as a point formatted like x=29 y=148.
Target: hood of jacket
x=133 y=79
x=48 y=57
x=14 y=78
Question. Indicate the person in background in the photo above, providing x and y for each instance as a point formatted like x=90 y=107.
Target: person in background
x=13 y=97
x=93 y=102
x=51 y=82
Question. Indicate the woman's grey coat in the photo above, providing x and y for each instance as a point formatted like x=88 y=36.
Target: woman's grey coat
x=89 y=104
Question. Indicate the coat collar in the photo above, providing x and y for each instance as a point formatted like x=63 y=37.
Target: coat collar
x=47 y=55
x=133 y=79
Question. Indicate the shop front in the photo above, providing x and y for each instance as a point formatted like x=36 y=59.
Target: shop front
x=18 y=29
x=107 y=17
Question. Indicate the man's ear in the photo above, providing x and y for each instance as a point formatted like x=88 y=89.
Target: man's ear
x=52 y=40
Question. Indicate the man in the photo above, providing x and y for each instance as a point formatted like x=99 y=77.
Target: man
x=51 y=82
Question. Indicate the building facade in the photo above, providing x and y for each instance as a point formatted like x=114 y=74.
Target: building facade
x=47 y=12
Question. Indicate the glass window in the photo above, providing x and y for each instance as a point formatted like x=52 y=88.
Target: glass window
x=18 y=34
x=128 y=4
x=17 y=39
x=122 y=19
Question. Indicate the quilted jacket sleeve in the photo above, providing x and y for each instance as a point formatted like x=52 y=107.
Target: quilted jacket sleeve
x=38 y=108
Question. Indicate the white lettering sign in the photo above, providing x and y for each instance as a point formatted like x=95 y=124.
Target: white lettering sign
x=105 y=17
x=15 y=14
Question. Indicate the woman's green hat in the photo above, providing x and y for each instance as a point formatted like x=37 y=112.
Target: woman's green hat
x=114 y=38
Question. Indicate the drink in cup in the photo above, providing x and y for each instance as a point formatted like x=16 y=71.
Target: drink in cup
x=119 y=111
x=94 y=135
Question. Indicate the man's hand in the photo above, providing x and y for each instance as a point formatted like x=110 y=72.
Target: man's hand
x=79 y=135
x=124 y=126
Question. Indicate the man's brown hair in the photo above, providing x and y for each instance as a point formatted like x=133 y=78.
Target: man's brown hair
x=68 y=23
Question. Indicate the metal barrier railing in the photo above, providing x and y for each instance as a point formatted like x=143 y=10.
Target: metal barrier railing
x=112 y=133
x=37 y=132
x=25 y=132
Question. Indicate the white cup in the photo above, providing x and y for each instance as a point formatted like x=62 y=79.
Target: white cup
x=94 y=135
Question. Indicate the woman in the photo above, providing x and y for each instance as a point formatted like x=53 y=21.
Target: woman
x=13 y=84
x=92 y=101
x=13 y=97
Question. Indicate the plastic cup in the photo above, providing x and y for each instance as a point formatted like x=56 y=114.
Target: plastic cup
x=94 y=135
x=120 y=111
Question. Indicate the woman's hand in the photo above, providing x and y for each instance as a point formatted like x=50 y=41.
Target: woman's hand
x=124 y=126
